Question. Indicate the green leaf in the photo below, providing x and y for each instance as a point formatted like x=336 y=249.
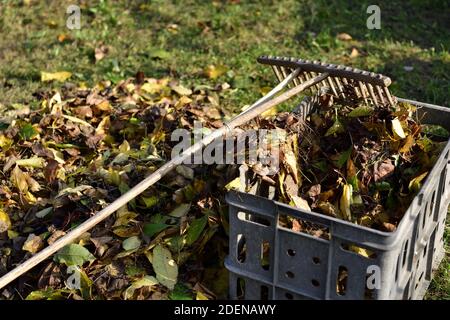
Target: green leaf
x=181 y=210
x=147 y=281
x=150 y=201
x=27 y=131
x=165 y=267
x=181 y=292
x=343 y=157
x=435 y=130
x=195 y=229
x=337 y=127
x=150 y=229
x=361 y=111
x=383 y=186
x=160 y=54
x=131 y=243
x=73 y=254
x=47 y=294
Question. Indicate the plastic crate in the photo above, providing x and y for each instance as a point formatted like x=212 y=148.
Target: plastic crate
x=283 y=264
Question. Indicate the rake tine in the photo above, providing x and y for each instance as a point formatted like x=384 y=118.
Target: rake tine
x=284 y=73
x=388 y=95
x=363 y=89
x=277 y=73
x=380 y=94
x=339 y=84
x=372 y=94
x=332 y=86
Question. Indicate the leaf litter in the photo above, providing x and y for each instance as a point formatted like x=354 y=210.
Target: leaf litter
x=80 y=149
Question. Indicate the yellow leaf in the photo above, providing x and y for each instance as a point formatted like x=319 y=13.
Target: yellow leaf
x=104 y=106
x=33 y=162
x=33 y=243
x=182 y=91
x=154 y=85
x=300 y=203
x=124 y=147
x=5 y=222
x=182 y=101
x=270 y=113
x=201 y=296
x=346 y=201
x=416 y=183
x=76 y=120
x=5 y=142
x=354 y=53
x=361 y=251
x=290 y=161
x=58 y=76
x=397 y=129
x=235 y=185
x=409 y=143
x=19 y=179
x=214 y=72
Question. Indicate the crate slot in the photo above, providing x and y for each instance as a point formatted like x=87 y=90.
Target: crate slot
x=405 y=252
x=341 y=281
x=241 y=253
x=240 y=288
x=265 y=255
x=253 y=218
x=303 y=226
x=355 y=249
x=264 y=293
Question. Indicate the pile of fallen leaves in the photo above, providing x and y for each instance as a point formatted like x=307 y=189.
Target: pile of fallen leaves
x=78 y=150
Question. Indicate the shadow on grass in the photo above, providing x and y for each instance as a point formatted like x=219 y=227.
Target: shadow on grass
x=425 y=23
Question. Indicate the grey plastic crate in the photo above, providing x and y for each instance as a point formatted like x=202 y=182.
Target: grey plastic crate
x=301 y=266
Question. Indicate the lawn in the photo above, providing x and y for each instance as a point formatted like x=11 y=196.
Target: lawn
x=203 y=42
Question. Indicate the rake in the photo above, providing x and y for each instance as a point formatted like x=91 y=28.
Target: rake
x=295 y=75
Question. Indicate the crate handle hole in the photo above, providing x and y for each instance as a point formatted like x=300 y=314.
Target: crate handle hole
x=316 y=260
x=315 y=283
x=341 y=281
x=290 y=274
x=290 y=252
x=289 y=296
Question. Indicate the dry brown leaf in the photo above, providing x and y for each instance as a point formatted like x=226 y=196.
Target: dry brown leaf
x=344 y=36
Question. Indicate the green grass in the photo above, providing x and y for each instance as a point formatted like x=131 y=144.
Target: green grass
x=181 y=38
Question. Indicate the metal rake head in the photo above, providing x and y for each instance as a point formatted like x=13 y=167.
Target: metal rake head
x=342 y=81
